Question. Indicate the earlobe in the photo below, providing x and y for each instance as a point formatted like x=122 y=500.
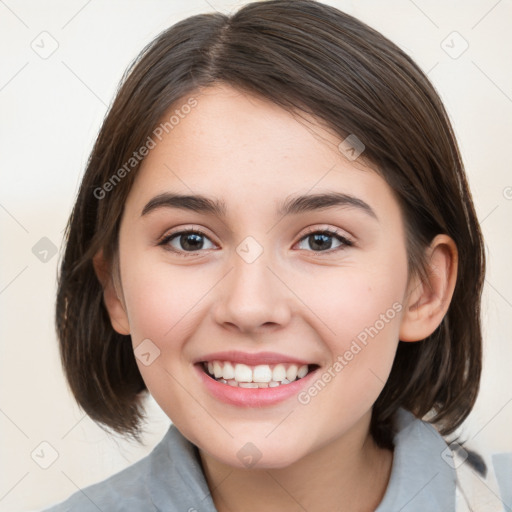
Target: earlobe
x=427 y=301
x=112 y=298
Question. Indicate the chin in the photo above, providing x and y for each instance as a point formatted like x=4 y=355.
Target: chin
x=259 y=453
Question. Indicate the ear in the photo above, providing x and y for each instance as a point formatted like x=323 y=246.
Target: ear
x=427 y=301
x=111 y=297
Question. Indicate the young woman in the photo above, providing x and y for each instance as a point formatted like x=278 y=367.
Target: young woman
x=268 y=239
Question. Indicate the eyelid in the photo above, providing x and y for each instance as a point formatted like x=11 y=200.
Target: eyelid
x=164 y=240
x=185 y=229
x=328 y=229
x=346 y=240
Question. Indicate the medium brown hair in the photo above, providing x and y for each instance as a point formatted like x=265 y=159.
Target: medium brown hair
x=305 y=57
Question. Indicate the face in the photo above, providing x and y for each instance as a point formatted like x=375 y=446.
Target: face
x=261 y=287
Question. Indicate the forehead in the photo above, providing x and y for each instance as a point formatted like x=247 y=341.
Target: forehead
x=246 y=150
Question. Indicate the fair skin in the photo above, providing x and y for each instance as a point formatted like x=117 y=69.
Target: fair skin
x=294 y=299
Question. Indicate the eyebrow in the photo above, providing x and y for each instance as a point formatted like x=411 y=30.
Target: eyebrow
x=291 y=206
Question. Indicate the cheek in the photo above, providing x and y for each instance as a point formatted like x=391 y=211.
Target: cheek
x=161 y=300
x=360 y=311
x=162 y=305
x=353 y=303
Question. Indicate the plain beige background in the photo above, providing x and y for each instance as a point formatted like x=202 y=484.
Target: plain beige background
x=61 y=62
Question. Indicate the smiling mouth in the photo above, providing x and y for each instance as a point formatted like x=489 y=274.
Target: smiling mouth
x=258 y=376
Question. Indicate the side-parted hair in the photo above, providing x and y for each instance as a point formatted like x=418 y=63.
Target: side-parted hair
x=305 y=57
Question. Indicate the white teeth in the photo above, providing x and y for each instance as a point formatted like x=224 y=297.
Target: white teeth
x=262 y=373
x=279 y=372
x=228 y=371
x=248 y=384
x=302 y=371
x=291 y=373
x=259 y=376
x=217 y=369
x=243 y=373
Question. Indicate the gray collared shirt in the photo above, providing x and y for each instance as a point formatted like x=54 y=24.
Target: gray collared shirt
x=170 y=478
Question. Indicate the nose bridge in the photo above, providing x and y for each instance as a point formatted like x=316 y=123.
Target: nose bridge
x=251 y=295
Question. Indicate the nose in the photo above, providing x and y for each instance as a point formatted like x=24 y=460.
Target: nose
x=252 y=298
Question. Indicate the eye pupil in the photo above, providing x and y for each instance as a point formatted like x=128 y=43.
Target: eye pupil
x=191 y=241
x=320 y=241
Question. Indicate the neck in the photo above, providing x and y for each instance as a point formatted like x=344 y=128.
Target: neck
x=349 y=473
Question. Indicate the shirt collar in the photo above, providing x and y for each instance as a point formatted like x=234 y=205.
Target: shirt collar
x=421 y=478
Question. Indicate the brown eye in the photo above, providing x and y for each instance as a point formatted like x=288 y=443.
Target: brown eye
x=320 y=241
x=187 y=241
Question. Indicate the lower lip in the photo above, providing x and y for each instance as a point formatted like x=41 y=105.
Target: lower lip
x=252 y=397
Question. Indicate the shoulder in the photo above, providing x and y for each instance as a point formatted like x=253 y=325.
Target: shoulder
x=123 y=491
x=169 y=478
x=430 y=475
x=128 y=489
x=422 y=478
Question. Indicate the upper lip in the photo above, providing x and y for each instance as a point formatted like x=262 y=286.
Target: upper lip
x=252 y=358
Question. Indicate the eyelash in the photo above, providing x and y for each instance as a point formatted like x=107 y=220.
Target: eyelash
x=346 y=242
